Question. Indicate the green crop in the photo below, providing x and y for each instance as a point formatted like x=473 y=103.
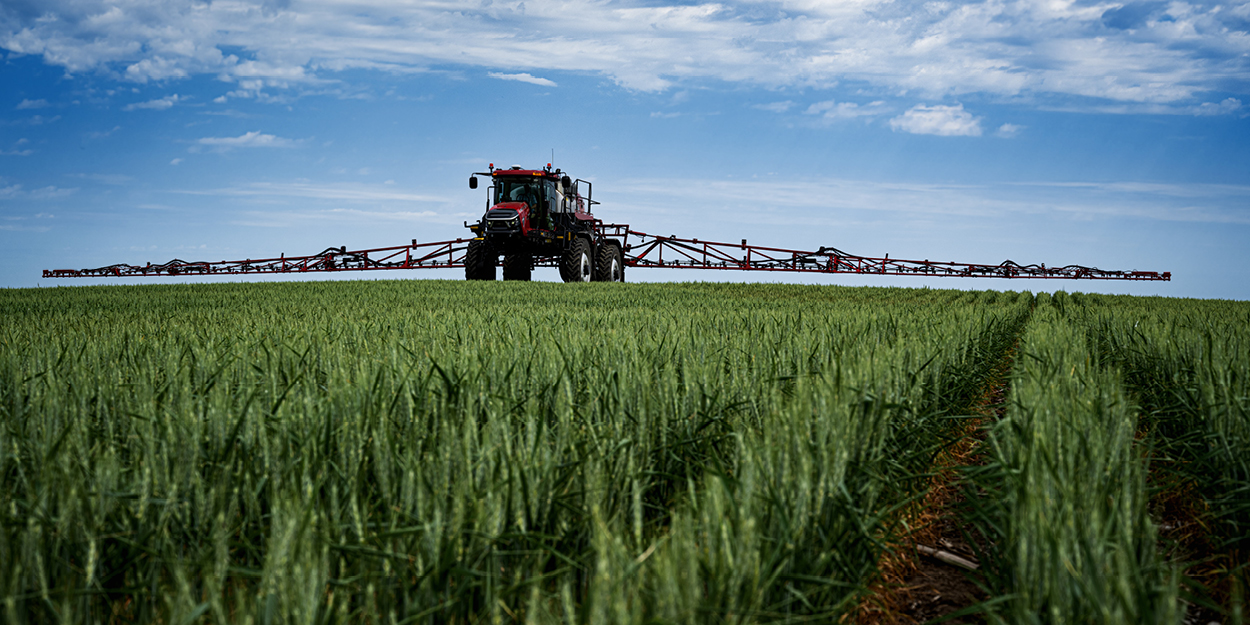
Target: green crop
x=1188 y=364
x=430 y=452
x=438 y=452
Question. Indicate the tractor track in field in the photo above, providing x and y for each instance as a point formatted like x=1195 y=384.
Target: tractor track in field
x=926 y=575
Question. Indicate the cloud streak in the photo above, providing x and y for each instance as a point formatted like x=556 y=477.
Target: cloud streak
x=15 y=191
x=523 y=77
x=341 y=192
x=158 y=104
x=826 y=201
x=832 y=110
x=253 y=139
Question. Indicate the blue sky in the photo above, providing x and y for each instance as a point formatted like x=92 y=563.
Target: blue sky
x=1108 y=134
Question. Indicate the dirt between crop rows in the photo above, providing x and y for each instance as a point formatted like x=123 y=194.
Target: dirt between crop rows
x=931 y=588
x=1182 y=517
x=918 y=587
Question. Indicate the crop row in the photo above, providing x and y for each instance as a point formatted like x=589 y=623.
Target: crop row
x=1187 y=364
x=1063 y=503
x=451 y=452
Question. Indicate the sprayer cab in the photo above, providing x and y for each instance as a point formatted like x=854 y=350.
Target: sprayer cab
x=531 y=201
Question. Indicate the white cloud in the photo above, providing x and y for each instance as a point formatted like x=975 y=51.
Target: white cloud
x=1008 y=131
x=944 y=121
x=523 y=77
x=103 y=134
x=158 y=104
x=253 y=139
x=1131 y=52
x=31 y=104
x=175 y=161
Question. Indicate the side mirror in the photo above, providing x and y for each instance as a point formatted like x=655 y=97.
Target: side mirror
x=567 y=183
x=472 y=182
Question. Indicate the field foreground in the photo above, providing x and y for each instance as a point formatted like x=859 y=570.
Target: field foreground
x=457 y=452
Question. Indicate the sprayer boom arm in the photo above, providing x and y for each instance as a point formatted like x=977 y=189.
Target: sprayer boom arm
x=641 y=250
x=696 y=254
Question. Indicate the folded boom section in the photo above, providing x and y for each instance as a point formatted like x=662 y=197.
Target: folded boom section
x=642 y=250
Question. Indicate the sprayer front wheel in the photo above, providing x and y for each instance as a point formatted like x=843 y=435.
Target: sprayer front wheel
x=576 y=265
x=479 y=261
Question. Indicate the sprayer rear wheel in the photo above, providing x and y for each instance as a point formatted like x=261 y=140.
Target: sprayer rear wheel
x=517 y=267
x=608 y=264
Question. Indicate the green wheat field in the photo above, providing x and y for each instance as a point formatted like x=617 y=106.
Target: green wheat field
x=460 y=452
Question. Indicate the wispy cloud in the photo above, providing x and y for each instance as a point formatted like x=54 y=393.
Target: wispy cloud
x=523 y=77
x=16 y=191
x=309 y=190
x=253 y=139
x=31 y=104
x=109 y=179
x=944 y=121
x=23 y=223
x=832 y=110
x=824 y=201
x=1227 y=106
x=33 y=120
x=1007 y=131
x=775 y=107
x=158 y=104
x=1224 y=107
x=18 y=150
x=103 y=134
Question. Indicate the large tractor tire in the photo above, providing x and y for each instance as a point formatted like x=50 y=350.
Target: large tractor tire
x=479 y=261
x=609 y=267
x=577 y=265
x=517 y=267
